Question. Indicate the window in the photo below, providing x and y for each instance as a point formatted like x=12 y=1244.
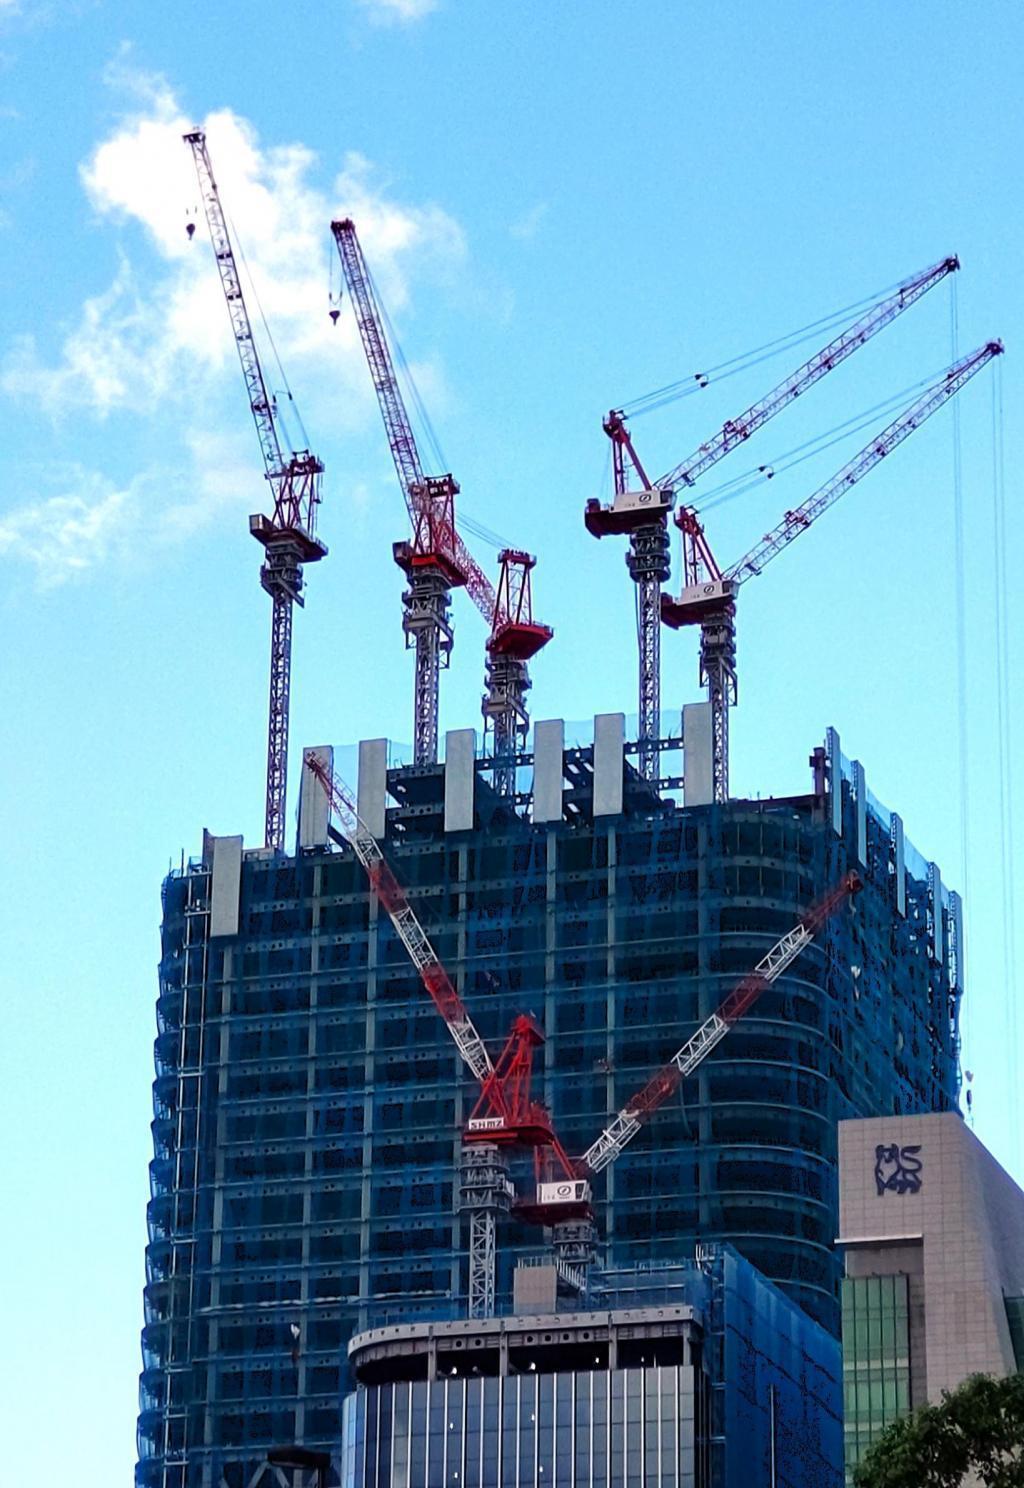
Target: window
x=876 y=1359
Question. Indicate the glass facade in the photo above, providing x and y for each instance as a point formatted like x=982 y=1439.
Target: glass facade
x=619 y=1428
x=700 y=1373
x=308 y=1101
x=1015 y=1318
x=876 y=1359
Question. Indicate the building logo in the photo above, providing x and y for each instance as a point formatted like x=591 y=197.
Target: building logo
x=897 y=1169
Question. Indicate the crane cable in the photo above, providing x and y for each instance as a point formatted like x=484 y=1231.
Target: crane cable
x=671 y=392
x=960 y=589
x=1005 y=759
x=741 y=484
x=273 y=346
x=464 y=521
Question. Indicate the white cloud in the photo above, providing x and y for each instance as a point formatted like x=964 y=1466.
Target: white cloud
x=157 y=340
x=89 y=520
x=389 y=11
x=159 y=332
x=527 y=226
x=62 y=535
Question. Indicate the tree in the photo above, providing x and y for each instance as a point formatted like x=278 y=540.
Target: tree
x=978 y=1427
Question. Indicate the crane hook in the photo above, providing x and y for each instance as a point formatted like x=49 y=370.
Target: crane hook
x=190 y=229
x=334 y=316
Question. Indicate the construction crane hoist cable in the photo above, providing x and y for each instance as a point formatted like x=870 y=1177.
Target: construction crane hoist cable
x=642 y=513
x=708 y=596
x=288 y=537
x=437 y=560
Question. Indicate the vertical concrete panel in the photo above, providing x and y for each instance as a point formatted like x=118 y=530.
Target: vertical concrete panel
x=459 y=779
x=935 y=911
x=860 y=791
x=609 y=737
x=548 y=765
x=372 y=785
x=835 y=776
x=698 y=750
x=227 y=885
x=956 y=931
x=899 y=863
x=314 y=807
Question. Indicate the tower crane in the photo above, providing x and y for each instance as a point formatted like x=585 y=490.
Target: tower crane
x=708 y=597
x=642 y=513
x=437 y=560
x=288 y=536
x=565 y=1205
x=506 y=1115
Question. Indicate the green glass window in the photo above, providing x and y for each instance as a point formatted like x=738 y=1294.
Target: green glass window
x=1015 y=1318
x=876 y=1359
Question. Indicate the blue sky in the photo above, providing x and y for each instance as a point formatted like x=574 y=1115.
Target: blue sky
x=566 y=205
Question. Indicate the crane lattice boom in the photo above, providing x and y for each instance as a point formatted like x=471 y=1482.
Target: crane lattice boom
x=403 y=917
x=438 y=559
x=795 y=522
x=259 y=400
x=401 y=439
x=620 y=1132
x=736 y=431
x=288 y=536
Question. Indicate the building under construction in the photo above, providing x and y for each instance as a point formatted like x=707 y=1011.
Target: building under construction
x=323 y=1163
x=309 y=1101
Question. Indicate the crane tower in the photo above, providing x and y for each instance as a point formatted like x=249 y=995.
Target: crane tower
x=288 y=536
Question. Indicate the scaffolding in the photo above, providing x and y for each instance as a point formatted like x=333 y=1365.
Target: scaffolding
x=308 y=1101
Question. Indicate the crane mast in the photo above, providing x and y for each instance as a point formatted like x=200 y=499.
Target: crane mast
x=429 y=561
x=288 y=537
x=437 y=560
x=506 y=1115
x=515 y=638
x=709 y=598
x=642 y=515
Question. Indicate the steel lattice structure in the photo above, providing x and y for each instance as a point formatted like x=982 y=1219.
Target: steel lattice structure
x=437 y=560
x=642 y=1106
x=643 y=514
x=288 y=536
x=710 y=602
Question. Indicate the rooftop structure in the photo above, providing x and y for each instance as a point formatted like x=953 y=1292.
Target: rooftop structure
x=308 y=1101
x=699 y=1375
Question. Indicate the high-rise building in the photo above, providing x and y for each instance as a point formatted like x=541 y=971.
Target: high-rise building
x=932 y=1230
x=699 y=1375
x=308 y=1100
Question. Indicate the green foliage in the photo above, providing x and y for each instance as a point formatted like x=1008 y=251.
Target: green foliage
x=978 y=1427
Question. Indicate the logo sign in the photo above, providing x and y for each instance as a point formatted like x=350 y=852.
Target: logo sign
x=576 y=1192
x=486 y=1123
x=897 y=1169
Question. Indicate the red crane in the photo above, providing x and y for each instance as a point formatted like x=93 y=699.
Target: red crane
x=506 y=1115
x=642 y=514
x=564 y=1204
x=708 y=597
x=437 y=560
x=288 y=536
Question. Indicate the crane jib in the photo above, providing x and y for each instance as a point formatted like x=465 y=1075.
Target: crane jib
x=736 y=431
x=882 y=445
x=619 y=1132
